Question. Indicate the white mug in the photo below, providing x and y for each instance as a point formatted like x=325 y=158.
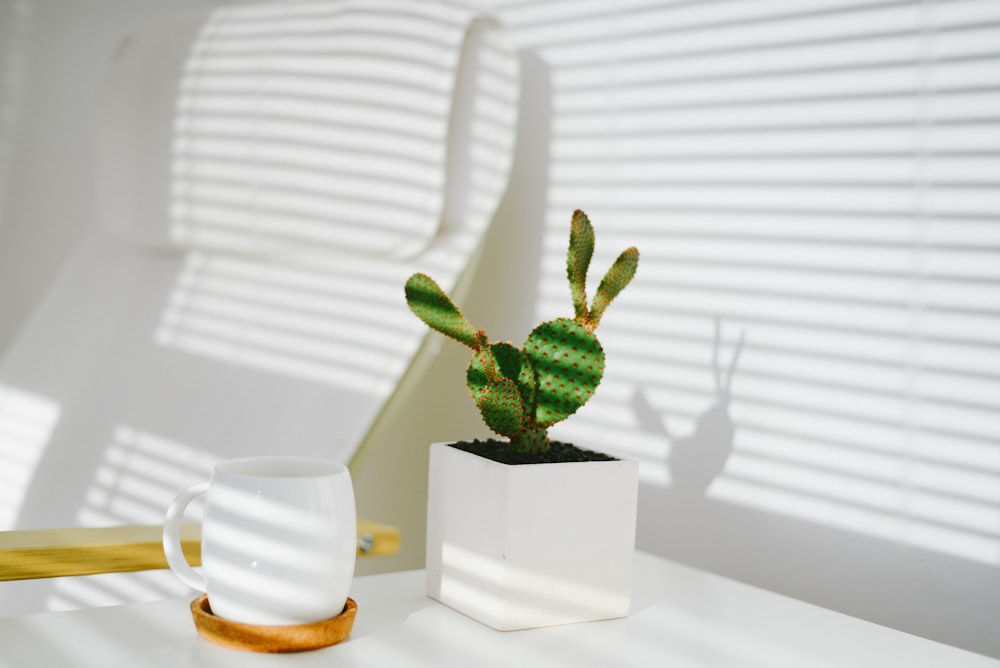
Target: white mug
x=278 y=540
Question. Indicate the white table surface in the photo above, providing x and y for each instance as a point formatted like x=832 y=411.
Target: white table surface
x=680 y=617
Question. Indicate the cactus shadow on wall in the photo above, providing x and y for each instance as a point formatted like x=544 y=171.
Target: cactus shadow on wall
x=696 y=459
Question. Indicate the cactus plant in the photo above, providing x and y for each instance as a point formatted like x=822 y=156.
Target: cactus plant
x=522 y=392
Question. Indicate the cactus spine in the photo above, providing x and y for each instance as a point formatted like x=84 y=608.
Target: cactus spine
x=522 y=392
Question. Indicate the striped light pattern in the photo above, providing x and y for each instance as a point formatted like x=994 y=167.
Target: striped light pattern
x=318 y=147
x=825 y=177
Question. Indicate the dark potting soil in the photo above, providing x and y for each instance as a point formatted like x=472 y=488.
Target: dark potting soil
x=499 y=451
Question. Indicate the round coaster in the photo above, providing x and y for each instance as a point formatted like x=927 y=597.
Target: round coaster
x=272 y=639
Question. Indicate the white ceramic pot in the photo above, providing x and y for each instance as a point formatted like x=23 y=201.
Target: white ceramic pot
x=532 y=545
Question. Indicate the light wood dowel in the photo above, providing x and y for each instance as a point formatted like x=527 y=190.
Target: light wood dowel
x=49 y=553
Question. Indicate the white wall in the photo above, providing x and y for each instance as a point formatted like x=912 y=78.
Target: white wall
x=53 y=55
x=821 y=176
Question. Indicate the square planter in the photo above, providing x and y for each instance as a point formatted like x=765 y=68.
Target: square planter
x=523 y=546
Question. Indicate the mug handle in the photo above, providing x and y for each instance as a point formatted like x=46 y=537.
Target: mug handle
x=172 y=537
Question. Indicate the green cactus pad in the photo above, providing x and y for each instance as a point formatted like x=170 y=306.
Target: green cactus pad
x=509 y=364
x=619 y=275
x=501 y=408
x=515 y=366
x=430 y=303
x=568 y=362
x=581 y=249
x=498 y=396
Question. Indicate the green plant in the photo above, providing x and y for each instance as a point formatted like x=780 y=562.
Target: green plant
x=522 y=392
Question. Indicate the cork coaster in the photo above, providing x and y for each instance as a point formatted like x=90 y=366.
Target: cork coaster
x=272 y=639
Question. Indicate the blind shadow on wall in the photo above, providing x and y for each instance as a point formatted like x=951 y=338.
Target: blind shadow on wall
x=823 y=177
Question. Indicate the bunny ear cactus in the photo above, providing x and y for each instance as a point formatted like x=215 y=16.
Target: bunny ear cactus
x=522 y=392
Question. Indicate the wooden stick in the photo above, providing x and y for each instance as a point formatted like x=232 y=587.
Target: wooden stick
x=49 y=553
